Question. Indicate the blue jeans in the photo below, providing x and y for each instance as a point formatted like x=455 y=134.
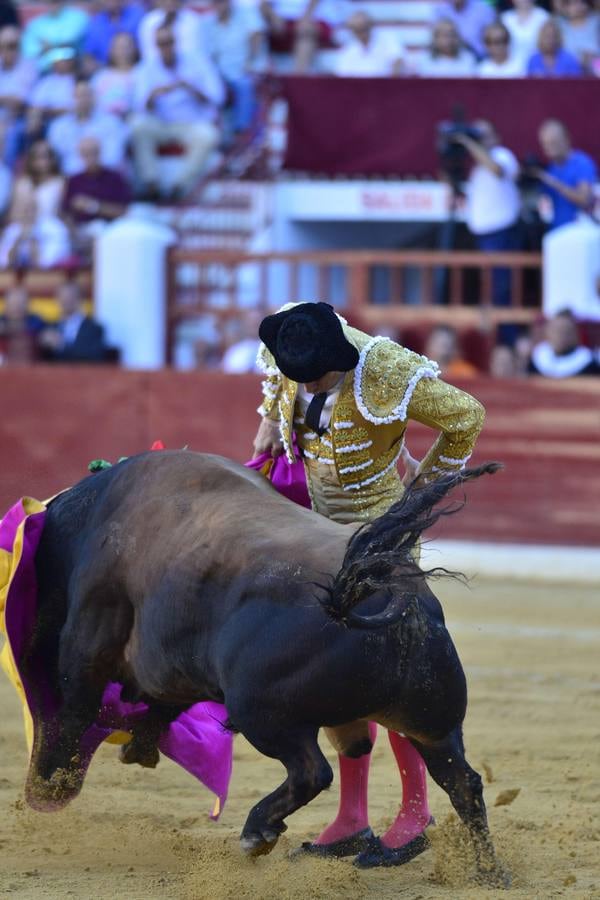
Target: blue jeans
x=14 y=141
x=503 y=239
x=244 y=103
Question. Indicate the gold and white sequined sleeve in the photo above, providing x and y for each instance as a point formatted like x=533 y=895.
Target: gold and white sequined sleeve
x=458 y=416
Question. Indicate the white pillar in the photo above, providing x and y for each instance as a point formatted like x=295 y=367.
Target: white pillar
x=130 y=286
x=571 y=266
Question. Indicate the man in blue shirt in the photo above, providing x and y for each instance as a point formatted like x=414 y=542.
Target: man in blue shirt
x=569 y=178
x=114 y=17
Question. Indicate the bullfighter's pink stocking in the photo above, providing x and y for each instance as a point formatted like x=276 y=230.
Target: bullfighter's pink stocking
x=353 y=813
x=414 y=813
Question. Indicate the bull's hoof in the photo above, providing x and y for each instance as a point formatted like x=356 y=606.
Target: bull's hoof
x=495 y=877
x=130 y=753
x=377 y=854
x=259 y=844
x=348 y=846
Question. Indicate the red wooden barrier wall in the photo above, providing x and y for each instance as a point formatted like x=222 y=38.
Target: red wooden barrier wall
x=55 y=420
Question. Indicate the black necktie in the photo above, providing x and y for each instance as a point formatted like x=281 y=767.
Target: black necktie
x=313 y=413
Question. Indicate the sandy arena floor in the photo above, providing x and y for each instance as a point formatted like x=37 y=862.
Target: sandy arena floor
x=533 y=663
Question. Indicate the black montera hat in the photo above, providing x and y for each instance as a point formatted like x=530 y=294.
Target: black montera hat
x=308 y=341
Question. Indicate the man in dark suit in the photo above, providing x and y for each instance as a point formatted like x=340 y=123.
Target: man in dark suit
x=77 y=337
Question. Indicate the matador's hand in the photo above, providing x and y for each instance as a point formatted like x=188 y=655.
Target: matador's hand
x=268 y=439
x=411 y=466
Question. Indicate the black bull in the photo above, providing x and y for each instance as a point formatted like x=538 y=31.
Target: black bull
x=187 y=577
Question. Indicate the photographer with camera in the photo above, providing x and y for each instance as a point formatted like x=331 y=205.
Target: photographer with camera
x=569 y=178
x=493 y=199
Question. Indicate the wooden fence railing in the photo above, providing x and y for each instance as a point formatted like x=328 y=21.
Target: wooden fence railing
x=391 y=288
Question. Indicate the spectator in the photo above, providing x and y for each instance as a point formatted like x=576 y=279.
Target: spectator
x=18 y=328
x=77 y=337
x=5 y=187
x=240 y=356
x=581 y=31
x=470 y=18
x=446 y=59
x=187 y=26
x=569 y=178
x=371 y=52
x=113 y=18
x=443 y=347
x=62 y=27
x=499 y=61
x=300 y=27
x=493 y=200
x=93 y=197
x=66 y=132
x=114 y=86
x=523 y=24
x=17 y=76
x=235 y=37
x=54 y=93
x=561 y=354
x=503 y=362
x=34 y=234
x=177 y=98
x=551 y=59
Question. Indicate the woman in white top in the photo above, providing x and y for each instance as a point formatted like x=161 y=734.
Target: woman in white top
x=113 y=85
x=523 y=24
x=499 y=62
x=35 y=235
x=446 y=57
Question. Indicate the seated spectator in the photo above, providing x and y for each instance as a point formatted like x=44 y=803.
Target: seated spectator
x=240 y=356
x=499 y=61
x=234 y=35
x=17 y=76
x=93 y=197
x=371 y=52
x=114 y=85
x=561 y=354
x=300 y=27
x=65 y=132
x=187 y=27
x=446 y=58
x=64 y=26
x=569 y=178
x=442 y=346
x=34 y=235
x=470 y=17
x=523 y=24
x=114 y=17
x=551 y=59
x=77 y=337
x=53 y=95
x=580 y=28
x=502 y=362
x=177 y=97
x=18 y=328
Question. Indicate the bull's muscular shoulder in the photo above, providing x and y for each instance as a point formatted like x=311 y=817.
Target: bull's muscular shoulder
x=385 y=378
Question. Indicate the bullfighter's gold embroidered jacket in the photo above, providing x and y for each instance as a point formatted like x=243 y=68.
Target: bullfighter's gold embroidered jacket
x=390 y=386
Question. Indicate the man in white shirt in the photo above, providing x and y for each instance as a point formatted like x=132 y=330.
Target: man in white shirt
x=499 y=61
x=66 y=132
x=187 y=25
x=176 y=98
x=370 y=53
x=493 y=200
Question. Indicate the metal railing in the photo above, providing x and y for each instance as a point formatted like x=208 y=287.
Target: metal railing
x=392 y=288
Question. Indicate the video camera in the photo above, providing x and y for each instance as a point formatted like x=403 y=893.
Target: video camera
x=454 y=157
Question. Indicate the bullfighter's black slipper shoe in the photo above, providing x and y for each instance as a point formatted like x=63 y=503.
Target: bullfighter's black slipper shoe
x=349 y=846
x=377 y=854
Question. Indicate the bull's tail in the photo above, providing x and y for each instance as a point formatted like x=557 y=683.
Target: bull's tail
x=379 y=553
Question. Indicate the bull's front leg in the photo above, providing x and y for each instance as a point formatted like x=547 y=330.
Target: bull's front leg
x=308 y=773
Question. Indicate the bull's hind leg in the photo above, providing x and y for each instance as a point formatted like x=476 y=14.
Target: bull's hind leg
x=446 y=763
x=308 y=773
